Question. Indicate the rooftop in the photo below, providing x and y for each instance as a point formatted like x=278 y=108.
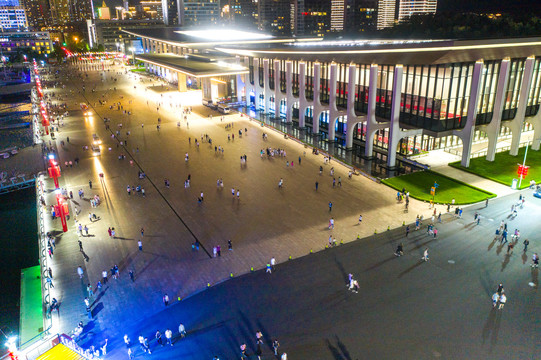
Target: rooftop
x=191 y=67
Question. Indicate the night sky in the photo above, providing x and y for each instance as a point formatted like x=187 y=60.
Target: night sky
x=491 y=6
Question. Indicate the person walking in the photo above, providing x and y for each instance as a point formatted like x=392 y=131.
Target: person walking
x=229 y=245
x=425 y=255
x=166 y=300
x=495 y=299
x=90 y=183
x=535 y=260
x=360 y=219
x=317 y=185
x=331 y=224
x=104 y=276
x=110 y=232
x=182 y=330
x=80 y=272
x=158 y=337
x=132 y=276
x=276 y=344
x=330 y=206
x=142 y=232
x=503 y=300
x=140 y=244
x=269 y=269
x=127 y=340
x=526 y=243
x=80 y=245
x=169 y=337
x=89 y=290
x=273 y=263
x=407 y=230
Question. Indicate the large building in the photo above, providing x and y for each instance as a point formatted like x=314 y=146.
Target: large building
x=110 y=34
x=38 y=13
x=199 y=12
x=408 y=8
x=12 y=17
x=25 y=42
x=379 y=99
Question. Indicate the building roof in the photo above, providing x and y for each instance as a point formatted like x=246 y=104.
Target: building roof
x=191 y=67
x=376 y=51
x=205 y=38
x=396 y=52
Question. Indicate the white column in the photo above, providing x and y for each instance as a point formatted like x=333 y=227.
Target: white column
x=277 y=92
x=290 y=100
x=394 y=129
x=318 y=109
x=518 y=121
x=352 y=118
x=303 y=103
x=240 y=85
x=333 y=111
x=493 y=128
x=257 y=88
x=266 y=86
x=371 y=124
x=466 y=134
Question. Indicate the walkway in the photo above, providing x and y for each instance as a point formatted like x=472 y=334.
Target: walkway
x=265 y=222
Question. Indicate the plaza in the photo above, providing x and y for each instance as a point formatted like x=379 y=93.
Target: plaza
x=264 y=222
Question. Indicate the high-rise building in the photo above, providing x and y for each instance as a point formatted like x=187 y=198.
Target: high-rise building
x=338 y=14
x=38 y=13
x=80 y=10
x=281 y=17
x=199 y=12
x=104 y=12
x=408 y=8
x=12 y=17
x=386 y=13
x=9 y=3
x=243 y=13
x=172 y=12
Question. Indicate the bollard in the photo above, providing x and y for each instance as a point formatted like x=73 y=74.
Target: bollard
x=231 y=275
x=358 y=236
x=252 y=269
x=310 y=251
x=388 y=227
x=375 y=231
x=341 y=242
x=403 y=223
x=289 y=257
x=326 y=246
x=208 y=284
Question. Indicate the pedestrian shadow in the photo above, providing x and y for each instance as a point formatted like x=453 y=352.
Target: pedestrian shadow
x=378 y=264
x=122 y=238
x=99 y=307
x=491 y=245
x=341 y=268
x=524 y=258
x=505 y=262
x=100 y=295
x=266 y=335
x=499 y=249
x=203 y=330
x=535 y=277
x=247 y=330
x=339 y=352
x=411 y=268
x=489 y=325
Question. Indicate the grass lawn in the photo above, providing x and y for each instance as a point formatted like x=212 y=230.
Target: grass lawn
x=138 y=70
x=419 y=184
x=504 y=167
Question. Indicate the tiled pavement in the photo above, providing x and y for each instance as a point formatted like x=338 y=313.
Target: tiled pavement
x=265 y=222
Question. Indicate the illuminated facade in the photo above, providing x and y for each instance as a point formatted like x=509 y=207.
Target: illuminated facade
x=25 y=41
x=366 y=97
x=408 y=8
x=386 y=13
x=12 y=18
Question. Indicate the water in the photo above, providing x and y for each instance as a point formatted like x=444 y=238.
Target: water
x=18 y=249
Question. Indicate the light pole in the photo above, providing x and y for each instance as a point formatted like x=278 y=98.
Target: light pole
x=133 y=54
x=524 y=161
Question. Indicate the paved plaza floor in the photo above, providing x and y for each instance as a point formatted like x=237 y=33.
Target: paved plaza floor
x=263 y=222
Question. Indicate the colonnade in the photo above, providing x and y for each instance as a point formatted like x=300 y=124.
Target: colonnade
x=373 y=123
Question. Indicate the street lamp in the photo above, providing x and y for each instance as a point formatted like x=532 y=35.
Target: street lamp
x=132 y=49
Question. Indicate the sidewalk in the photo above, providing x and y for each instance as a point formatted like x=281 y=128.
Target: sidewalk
x=265 y=222
x=439 y=160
